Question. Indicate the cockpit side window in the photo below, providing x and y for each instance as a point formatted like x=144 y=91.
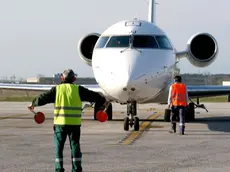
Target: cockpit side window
x=144 y=41
x=163 y=42
x=101 y=42
x=118 y=41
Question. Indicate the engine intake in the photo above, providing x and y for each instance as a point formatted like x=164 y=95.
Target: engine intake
x=202 y=49
x=85 y=47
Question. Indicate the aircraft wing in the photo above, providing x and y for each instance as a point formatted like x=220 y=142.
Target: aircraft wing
x=194 y=91
x=41 y=88
x=207 y=90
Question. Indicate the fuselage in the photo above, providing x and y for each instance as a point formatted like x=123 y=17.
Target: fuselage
x=134 y=61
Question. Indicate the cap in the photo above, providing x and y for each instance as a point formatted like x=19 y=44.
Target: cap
x=69 y=75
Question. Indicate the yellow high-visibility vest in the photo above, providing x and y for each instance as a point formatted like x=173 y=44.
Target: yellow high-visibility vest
x=68 y=105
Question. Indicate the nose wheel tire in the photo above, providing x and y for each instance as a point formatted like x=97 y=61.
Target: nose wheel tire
x=134 y=123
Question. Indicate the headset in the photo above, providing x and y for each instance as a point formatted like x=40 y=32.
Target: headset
x=72 y=79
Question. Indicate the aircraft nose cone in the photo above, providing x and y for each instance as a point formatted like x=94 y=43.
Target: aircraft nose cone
x=129 y=84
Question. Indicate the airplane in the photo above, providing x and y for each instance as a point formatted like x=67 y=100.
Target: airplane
x=134 y=62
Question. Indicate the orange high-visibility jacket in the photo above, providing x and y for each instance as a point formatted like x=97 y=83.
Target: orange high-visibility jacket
x=179 y=94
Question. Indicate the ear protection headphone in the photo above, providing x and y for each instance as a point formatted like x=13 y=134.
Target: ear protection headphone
x=73 y=78
x=62 y=77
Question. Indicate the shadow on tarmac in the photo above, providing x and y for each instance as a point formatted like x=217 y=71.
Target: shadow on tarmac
x=217 y=123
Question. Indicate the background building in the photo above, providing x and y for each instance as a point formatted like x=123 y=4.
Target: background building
x=189 y=79
x=56 y=79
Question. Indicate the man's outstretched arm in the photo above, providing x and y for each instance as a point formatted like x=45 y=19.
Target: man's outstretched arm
x=45 y=98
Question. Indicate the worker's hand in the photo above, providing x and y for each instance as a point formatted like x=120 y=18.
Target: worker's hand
x=31 y=107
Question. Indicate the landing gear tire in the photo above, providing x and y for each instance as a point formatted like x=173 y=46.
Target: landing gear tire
x=126 y=124
x=190 y=114
x=136 y=124
x=109 y=111
x=167 y=115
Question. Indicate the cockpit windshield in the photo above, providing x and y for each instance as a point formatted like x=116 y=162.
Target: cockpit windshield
x=135 y=41
x=118 y=41
x=144 y=41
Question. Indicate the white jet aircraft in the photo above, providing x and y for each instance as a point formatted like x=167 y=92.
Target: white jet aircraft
x=134 y=62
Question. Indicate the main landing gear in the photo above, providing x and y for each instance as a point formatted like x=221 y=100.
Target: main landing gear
x=131 y=119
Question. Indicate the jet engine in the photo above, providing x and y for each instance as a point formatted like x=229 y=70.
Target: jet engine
x=202 y=49
x=85 y=47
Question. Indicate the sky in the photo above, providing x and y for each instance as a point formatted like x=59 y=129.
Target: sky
x=41 y=36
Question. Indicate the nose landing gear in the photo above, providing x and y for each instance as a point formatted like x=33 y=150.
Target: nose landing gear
x=131 y=119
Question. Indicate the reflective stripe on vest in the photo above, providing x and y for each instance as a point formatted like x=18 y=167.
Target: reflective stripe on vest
x=179 y=94
x=68 y=105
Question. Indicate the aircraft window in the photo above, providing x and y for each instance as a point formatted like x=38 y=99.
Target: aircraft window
x=101 y=42
x=118 y=41
x=144 y=41
x=163 y=42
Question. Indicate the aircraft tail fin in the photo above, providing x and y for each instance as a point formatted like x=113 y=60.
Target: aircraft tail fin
x=151 y=15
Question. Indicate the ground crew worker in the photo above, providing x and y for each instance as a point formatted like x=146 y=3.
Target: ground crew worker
x=67 y=98
x=177 y=101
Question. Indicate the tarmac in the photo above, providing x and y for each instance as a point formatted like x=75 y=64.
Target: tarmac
x=28 y=147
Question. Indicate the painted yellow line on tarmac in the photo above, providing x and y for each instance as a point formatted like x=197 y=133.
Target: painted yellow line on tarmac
x=151 y=109
x=12 y=116
x=134 y=135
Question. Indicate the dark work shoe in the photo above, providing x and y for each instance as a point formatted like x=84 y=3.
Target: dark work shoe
x=181 y=132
